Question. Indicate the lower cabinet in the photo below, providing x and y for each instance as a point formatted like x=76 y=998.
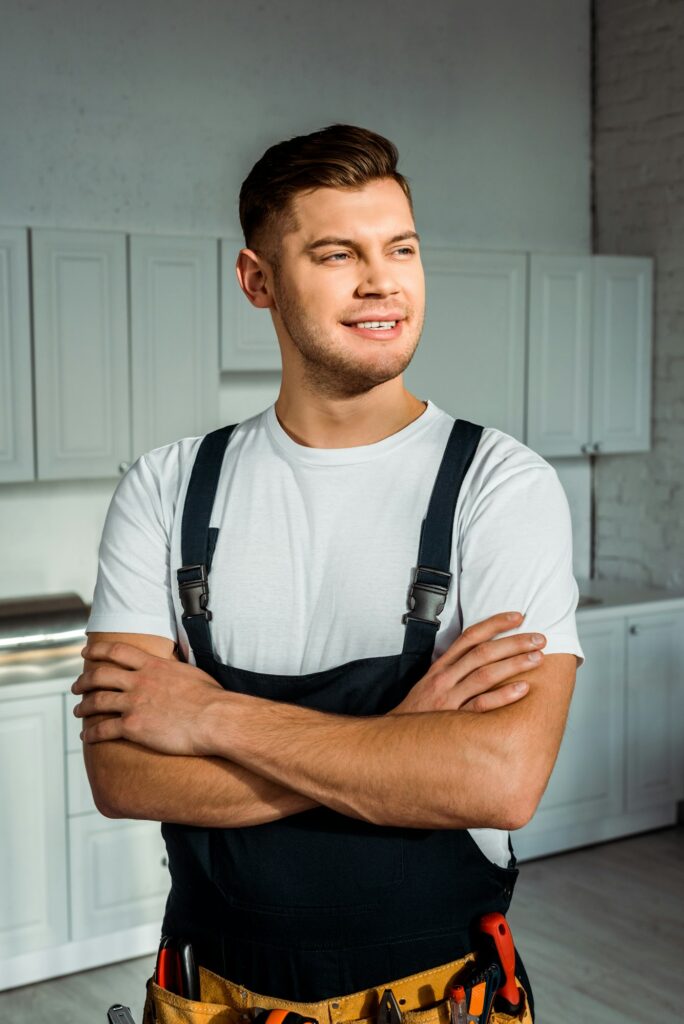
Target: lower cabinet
x=117 y=873
x=620 y=765
x=33 y=851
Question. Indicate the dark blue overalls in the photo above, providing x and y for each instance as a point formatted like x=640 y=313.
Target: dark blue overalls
x=319 y=904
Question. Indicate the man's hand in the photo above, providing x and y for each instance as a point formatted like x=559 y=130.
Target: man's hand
x=471 y=674
x=158 y=701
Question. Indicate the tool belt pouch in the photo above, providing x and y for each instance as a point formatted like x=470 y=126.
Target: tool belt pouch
x=163 y=1007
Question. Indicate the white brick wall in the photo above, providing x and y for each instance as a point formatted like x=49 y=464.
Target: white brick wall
x=639 y=206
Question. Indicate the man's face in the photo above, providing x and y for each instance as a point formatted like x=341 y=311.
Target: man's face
x=353 y=258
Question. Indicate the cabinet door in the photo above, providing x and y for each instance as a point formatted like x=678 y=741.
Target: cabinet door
x=81 y=350
x=558 y=384
x=119 y=874
x=471 y=358
x=622 y=342
x=33 y=868
x=16 y=397
x=174 y=339
x=587 y=780
x=248 y=337
x=654 y=678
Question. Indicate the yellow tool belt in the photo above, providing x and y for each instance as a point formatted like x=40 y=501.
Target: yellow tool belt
x=421 y=998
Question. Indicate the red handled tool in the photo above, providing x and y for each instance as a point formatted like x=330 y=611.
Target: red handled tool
x=497 y=945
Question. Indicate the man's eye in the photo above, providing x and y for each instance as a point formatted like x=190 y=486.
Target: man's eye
x=332 y=257
x=405 y=248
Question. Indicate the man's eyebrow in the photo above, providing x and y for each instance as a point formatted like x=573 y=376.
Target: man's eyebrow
x=349 y=243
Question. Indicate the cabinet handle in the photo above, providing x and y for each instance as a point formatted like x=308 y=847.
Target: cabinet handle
x=165 y=862
x=597 y=446
x=585 y=448
x=123 y=466
x=634 y=630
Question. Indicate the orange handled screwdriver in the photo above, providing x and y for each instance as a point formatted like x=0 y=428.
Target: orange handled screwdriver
x=496 y=937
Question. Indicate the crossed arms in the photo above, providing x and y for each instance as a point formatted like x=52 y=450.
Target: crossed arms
x=162 y=741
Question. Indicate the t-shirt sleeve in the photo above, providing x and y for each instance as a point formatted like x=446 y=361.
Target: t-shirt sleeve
x=517 y=553
x=132 y=591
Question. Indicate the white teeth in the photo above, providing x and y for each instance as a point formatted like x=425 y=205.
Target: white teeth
x=377 y=324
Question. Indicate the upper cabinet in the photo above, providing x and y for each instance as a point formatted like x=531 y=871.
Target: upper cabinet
x=174 y=338
x=16 y=408
x=81 y=347
x=471 y=357
x=130 y=332
x=590 y=343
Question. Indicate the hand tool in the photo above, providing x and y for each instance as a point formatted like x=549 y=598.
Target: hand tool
x=189 y=975
x=480 y=990
x=388 y=1009
x=496 y=943
x=457 y=1005
x=279 y=1016
x=167 y=972
x=118 y=1014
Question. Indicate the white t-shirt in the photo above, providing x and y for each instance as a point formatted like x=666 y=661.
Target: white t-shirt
x=316 y=549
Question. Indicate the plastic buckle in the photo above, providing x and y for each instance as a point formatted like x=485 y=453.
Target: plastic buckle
x=427 y=600
x=193 y=588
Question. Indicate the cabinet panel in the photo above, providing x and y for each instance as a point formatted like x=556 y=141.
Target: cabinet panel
x=118 y=872
x=558 y=379
x=81 y=353
x=654 y=670
x=16 y=392
x=471 y=358
x=174 y=338
x=79 y=795
x=587 y=780
x=33 y=899
x=621 y=406
x=248 y=337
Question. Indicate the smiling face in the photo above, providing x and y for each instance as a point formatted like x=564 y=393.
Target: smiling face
x=353 y=258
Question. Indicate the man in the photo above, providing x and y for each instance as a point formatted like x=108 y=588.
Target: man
x=336 y=804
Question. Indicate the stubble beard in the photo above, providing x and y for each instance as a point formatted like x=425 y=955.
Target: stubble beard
x=329 y=367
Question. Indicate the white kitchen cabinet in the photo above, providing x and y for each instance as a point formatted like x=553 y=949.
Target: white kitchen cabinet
x=33 y=894
x=248 y=337
x=590 y=345
x=655 y=667
x=470 y=360
x=619 y=768
x=81 y=353
x=174 y=338
x=586 y=784
x=622 y=330
x=559 y=360
x=118 y=874
x=16 y=396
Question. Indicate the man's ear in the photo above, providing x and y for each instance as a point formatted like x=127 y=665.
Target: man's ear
x=253 y=278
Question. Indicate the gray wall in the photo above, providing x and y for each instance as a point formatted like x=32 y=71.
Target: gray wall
x=640 y=209
x=146 y=116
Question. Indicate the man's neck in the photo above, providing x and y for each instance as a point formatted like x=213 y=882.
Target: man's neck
x=348 y=423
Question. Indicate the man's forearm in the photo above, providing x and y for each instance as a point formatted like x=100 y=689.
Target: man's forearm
x=447 y=769
x=202 y=791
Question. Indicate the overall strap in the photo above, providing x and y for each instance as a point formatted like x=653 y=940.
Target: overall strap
x=428 y=591
x=198 y=542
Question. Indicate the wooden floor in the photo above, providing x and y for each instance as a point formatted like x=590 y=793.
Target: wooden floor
x=601 y=932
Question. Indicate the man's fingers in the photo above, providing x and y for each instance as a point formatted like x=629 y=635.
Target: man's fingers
x=497 y=698
x=478 y=632
x=101 y=702
x=104 y=677
x=108 y=729
x=119 y=653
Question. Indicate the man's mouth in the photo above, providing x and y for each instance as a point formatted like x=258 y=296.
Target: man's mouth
x=381 y=329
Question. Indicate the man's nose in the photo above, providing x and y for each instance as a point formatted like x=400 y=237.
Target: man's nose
x=377 y=278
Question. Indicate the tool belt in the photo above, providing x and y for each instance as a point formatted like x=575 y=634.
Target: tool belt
x=418 y=999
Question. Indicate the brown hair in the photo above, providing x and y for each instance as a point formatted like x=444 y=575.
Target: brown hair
x=339 y=156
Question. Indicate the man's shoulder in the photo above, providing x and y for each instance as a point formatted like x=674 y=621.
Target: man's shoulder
x=501 y=454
